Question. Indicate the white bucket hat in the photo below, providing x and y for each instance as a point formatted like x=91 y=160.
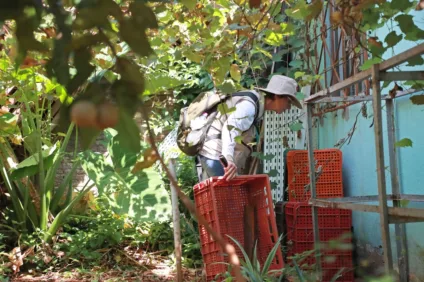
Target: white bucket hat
x=283 y=85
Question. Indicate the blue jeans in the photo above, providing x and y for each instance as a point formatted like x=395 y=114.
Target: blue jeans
x=211 y=167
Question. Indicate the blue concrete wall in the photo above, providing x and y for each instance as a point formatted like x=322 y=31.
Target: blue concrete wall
x=359 y=164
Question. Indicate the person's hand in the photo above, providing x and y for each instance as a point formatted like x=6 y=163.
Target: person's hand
x=230 y=171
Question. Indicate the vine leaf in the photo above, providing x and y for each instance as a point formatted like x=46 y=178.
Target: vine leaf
x=135 y=37
x=192 y=56
x=228 y=86
x=400 y=5
x=225 y=110
x=84 y=68
x=296 y=64
x=274 y=38
x=128 y=133
x=369 y=63
x=299 y=11
x=95 y=14
x=131 y=74
x=190 y=4
x=393 y=38
x=405 y=142
x=417 y=99
x=262 y=156
x=273 y=173
x=235 y=72
x=143 y=15
x=296 y=126
x=314 y=10
x=300 y=96
x=416 y=61
x=404 y=203
x=407 y=26
x=238 y=139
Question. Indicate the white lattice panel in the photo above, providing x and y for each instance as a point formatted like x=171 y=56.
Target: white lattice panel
x=276 y=127
x=168 y=148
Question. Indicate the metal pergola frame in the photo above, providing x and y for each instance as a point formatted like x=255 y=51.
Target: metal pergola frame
x=397 y=214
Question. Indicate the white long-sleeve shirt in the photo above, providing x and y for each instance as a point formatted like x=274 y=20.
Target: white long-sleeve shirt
x=234 y=125
x=238 y=121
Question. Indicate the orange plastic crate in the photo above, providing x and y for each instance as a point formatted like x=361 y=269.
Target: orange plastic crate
x=222 y=204
x=329 y=183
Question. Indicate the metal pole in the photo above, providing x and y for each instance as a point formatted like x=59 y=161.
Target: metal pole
x=400 y=229
x=381 y=177
x=176 y=221
x=313 y=188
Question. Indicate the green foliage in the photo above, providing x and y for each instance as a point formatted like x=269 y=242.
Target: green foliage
x=8 y=125
x=27 y=218
x=3 y=258
x=141 y=195
x=83 y=241
x=82 y=238
x=30 y=165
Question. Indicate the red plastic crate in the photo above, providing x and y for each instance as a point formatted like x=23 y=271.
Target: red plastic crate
x=334 y=225
x=305 y=252
x=329 y=183
x=329 y=159
x=329 y=260
x=299 y=215
x=325 y=177
x=345 y=276
x=300 y=193
x=307 y=234
x=222 y=204
x=332 y=260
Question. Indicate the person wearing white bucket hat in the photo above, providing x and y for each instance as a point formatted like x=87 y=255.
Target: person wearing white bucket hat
x=229 y=135
x=284 y=87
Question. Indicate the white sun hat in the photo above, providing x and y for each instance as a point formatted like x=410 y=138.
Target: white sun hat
x=283 y=85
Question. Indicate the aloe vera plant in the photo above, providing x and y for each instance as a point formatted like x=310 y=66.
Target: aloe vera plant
x=251 y=267
x=33 y=210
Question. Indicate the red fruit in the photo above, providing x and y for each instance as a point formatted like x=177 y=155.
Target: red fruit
x=108 y=116
x=84 y=114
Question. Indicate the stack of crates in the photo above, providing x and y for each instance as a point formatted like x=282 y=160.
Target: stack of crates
x=334 y=224
x=223 y=205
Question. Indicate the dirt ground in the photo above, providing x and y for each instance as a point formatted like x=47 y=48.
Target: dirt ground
x=161 y=272
x=131 y=267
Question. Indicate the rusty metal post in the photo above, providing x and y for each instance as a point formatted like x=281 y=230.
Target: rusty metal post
x=400 y=229
x=381 y=177
x=313 y=187
x=176 y=223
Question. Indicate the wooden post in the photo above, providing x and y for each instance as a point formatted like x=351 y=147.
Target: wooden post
x=381 y=176
x=176 y=222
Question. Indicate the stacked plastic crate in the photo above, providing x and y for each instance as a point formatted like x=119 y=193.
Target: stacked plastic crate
x=223 y=204
x=334 y=224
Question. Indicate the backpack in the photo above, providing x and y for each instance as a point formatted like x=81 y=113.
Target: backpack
x=196 y=119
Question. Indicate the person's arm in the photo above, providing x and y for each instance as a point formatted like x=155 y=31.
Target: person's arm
x=238 y=121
